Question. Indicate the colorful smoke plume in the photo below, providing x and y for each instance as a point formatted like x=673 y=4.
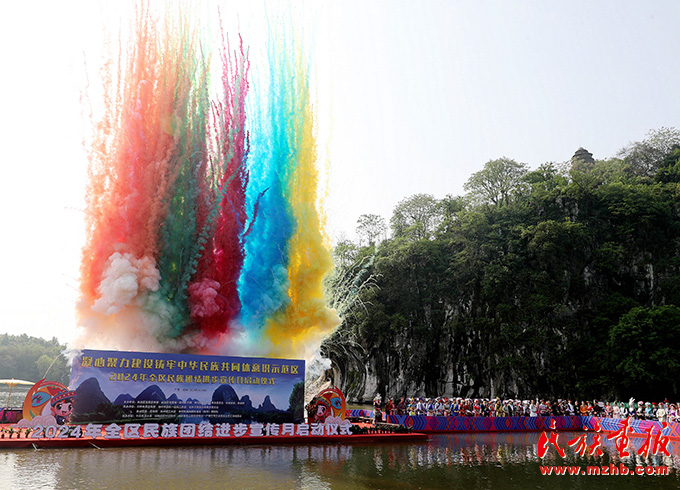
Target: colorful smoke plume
x=204 y=232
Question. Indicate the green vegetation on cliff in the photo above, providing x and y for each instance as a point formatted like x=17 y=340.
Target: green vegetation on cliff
x=558 y=281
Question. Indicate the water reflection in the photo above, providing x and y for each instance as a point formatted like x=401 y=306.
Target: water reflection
x=503 y=448
x=15 y=398
x=501 y=460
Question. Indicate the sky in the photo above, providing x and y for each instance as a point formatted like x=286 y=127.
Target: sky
x=412 y=97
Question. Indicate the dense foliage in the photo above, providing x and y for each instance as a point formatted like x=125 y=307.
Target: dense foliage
x=561 y=281
x=30 y=358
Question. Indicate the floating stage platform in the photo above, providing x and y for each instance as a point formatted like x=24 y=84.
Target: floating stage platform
x=55 y=437
x=419 y=429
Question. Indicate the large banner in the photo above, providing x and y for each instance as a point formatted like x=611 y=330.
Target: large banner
x=115 y=386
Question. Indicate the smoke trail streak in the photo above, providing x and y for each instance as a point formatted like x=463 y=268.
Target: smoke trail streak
x=306 y=319
x=131 y=173
x=215 y=300
x=264 y=283
x=186 y=224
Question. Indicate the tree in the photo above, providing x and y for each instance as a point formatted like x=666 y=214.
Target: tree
x=643 y=346
x=345 y=253
x=27 y=358
x=370 y=228
x=498 y=183
x=669 y=170
x=450 y=207
x=416 y=217
x=645 y=156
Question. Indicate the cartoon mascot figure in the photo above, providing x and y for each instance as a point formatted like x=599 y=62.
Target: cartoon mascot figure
x=47 y=403
x=327 y=407
x=62 y=406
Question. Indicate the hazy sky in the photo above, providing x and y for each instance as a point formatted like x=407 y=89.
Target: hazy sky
x=413 y=98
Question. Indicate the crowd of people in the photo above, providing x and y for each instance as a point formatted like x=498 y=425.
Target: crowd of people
x=495 y=407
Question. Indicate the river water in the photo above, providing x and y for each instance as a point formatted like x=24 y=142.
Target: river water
x=467 y=461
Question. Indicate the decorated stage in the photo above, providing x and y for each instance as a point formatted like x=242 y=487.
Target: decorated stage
x=154 y=399
x=113 y=408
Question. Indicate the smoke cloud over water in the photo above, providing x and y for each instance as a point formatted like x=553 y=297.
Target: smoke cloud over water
x=203 y=230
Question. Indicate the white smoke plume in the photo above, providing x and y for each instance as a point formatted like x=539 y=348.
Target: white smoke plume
x=125 y=278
